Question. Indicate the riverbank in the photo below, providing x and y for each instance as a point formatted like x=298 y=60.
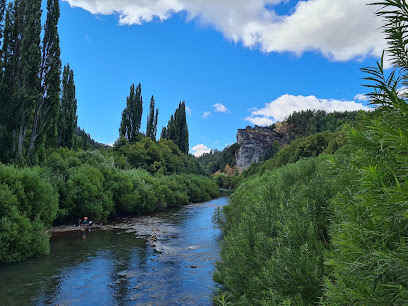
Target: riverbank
x=144 y=222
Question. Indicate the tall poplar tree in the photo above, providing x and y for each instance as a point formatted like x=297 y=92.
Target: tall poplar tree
x=29 y=62
x=11 y=80
x=68 y=118
x=177 y=129
x=47 y=103
x=151 y=128
x=132 y=114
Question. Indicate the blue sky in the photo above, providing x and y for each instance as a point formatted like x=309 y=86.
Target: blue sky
x=234 y=65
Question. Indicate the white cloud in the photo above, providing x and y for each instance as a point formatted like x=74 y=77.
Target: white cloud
x=262 y=121
x=285 y=105
x=361 y=97
x=339 y=29
x=206 y=115
x=200 y=149
x=188 y=110
x=219 y=108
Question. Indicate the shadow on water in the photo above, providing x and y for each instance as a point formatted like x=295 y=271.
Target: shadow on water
x=118 y=267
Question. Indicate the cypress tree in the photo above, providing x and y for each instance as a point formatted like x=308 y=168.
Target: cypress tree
x=68 y=118
x=132 y=114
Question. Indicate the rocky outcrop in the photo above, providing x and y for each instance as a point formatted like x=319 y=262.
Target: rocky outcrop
x=255 y=143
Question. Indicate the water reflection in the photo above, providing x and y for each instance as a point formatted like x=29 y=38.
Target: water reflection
x=118 y=267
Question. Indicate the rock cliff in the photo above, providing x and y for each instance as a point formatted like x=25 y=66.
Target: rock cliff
x=255 y=143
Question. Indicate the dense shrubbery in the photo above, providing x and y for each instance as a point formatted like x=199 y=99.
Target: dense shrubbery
x=28 y=204
x=70 y=185
x=217 y=160
x=276 y=225
x=275 y=231
x=162 y=157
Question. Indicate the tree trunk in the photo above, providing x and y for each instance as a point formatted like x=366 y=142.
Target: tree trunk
x=21 y=138
x=34 y=128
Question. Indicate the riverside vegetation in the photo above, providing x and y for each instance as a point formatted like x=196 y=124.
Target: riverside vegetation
x=329 y=228
x=48 y=175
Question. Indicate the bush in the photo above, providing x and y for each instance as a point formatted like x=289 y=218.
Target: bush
x=275 y=233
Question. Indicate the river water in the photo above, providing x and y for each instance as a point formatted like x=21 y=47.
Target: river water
x=117 y=266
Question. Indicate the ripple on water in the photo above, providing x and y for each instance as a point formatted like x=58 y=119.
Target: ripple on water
x=118 y=267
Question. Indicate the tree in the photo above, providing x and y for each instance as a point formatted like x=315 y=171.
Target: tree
x=151 y=128
x=68 y=118
x=30 y=62
x=177 y=129
x=132 y=114
x=47 y=104
x=10 y=72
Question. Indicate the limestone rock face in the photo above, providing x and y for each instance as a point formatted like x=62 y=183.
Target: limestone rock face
x=255 y=143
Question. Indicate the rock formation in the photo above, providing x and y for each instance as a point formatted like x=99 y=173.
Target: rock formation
x=255 y=143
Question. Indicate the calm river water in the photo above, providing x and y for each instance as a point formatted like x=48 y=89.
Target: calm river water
x=118 y=267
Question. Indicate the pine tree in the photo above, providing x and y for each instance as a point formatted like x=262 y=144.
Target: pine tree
x=68 y=118
x=132 y=114
x=47 y=104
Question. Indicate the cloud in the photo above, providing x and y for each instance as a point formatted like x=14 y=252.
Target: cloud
x=206 y=115
x=262 y=121
x=188 y=110
x=200 y=149
x=339 y=29
x=219 y=108
x=285 y=105
x=361 y=97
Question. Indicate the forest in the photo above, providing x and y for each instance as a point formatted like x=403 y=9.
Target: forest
x=324 y=220
x=51 y=171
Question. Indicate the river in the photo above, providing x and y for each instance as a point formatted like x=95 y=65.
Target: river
x=117 y=266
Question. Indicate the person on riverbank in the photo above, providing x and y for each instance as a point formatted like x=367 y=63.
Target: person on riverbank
x=78 y=222
x=84 y=224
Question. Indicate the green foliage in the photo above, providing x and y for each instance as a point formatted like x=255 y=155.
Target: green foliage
x=177 y=129
x=132 y=114
x=28 y=205
x=29 y=79
x=217 y=160
x=162 y=157
x=275 y=233
x=369 y=253
x=223 y=181
x=307 y=122
x=151 y=128
x=67 y=123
